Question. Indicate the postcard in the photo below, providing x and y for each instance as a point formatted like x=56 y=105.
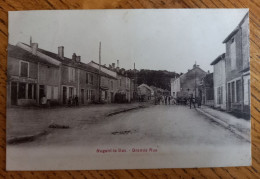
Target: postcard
x=128 y=89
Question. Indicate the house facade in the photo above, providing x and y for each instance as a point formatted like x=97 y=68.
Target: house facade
x=30 y=76
x=237 y=69
x=219 y=79
x=145 y=93
x=188 y=82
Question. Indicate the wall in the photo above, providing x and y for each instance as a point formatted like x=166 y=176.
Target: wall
x=219 y=78
x=231 y=74
x=175 y=86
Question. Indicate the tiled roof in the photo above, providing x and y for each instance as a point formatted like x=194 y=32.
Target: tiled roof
x=17 y=52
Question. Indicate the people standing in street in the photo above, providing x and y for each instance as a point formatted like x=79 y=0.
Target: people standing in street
x=169 y=100
x=192 y=101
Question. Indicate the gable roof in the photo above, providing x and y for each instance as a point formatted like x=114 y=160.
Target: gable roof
x=20 y=53
x=220 y=57
x=236 y=29
x=146 y=86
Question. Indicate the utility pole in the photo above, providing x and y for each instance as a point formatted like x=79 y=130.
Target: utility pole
x=99 y=73
x=135 y=83
x=195 y=79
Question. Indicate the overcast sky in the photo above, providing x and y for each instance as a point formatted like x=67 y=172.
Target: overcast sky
x=171 y=39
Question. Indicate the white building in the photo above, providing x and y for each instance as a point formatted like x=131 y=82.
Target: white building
x=219 y=78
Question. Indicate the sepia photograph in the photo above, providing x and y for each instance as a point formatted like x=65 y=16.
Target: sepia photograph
x=128 y=89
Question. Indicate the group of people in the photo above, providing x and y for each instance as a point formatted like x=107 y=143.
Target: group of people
x=168 y=100
x=73 y=101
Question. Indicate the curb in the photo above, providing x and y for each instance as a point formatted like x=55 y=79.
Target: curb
x=28 y=138
x=124 y=110
x=226 y=125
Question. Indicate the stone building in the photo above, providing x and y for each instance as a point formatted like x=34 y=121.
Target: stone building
x=188 y=82
x=219 y=79
x=30 y=76
x=145 y=93
x=237 y=69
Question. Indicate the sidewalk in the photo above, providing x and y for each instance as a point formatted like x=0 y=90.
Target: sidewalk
x=239 y=126
x=25 y=124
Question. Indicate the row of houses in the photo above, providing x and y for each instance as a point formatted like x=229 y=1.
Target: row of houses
x=231 y=72
x=228 y=87
x=34 y=73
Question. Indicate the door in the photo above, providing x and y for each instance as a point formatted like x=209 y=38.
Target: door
x=82 y=96
x=41 y=91
x=229 y=97
x=14 y=93
x=112 y=97
x=64 y=94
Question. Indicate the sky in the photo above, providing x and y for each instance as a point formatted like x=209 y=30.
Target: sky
x=169 y=39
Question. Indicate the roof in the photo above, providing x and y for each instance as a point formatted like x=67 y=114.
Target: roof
x=114 y=70
x=236 y=29
x=220 y=57
x=145 y=85
x=17 y=52
x=70 y=62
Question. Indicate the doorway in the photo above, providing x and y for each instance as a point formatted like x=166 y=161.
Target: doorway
x=64 y=94
x=82 y=96
x=14 y=93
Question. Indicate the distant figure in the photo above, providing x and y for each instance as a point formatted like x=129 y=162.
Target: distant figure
x=192 y=101
x=165 y=100
x=76 y=100
x=44 y=100
x=169 y=100
x=199 y=102
x=69 y=101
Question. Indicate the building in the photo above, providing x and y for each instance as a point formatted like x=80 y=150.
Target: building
x=145 y=93
x=219 y=81
x=188 y=82
x=237 y=69
x=30 y=76
x=206 y=90
x=34 y=73
x=121 y=91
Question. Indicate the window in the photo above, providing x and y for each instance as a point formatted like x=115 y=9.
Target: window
x=239 y=91
x=87 y=78
x=220 y=95
x=233 y=54
x=24 y=69
x=71 y=73
x=22 y=91
x=91 y=79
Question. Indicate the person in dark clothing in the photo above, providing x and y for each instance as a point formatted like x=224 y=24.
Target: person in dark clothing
x=76 y=100
x=169 y=100
x=192 y=101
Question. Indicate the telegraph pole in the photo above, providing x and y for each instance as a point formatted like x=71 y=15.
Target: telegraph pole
x=99 y=73
x=135 y=83
x=195 y=80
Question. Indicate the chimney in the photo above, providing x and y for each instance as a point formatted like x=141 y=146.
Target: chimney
x=74 y=56
x=77 y=58
x=61 y=52
x=117 y=63
x=113 y=65
x=34 y=48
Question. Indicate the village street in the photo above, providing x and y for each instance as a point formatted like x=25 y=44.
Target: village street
x=165 y=128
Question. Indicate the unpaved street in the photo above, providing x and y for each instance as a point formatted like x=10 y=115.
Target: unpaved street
x=179 y=130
